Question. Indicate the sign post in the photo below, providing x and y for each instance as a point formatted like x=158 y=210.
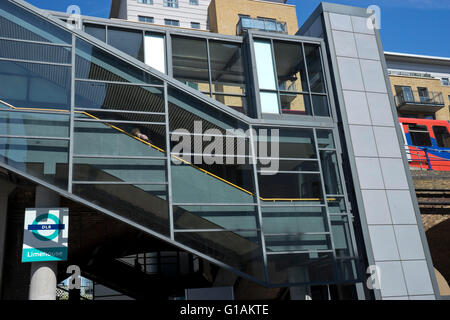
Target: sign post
x=45 y=234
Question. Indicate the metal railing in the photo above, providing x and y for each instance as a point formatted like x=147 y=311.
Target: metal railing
x=414 y=97
x=246 y=23
x=426 y=158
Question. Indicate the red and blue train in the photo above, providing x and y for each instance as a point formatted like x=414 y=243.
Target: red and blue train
x=427 y=143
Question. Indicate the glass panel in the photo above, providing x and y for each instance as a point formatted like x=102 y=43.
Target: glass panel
x=125 y=170
x=96 y=95
x=294 y=220
x=442 y=136
x=116 y=117
x=97 y=138
x=315 y=71
x=32 y=85
x=269 y=102
x=272 y=164
x=336 y=205
x=145 y=205
x=320 y=104
x=419 y=135
x=290 y=64
x=303 y=187
x=238 y=103
x=212 y=184
x=292 y=143
x=190 y=62
x=95 y=64
x=17 y=23
x=215 y=217
x=297 y=242
x=155 y=51
x=292 y=103
x=149 y=134
x=301 y=268
x=341 y=236
x=210 y=149
x=34 y=124
x=330 y=169
x=325 y=139
x=240 y=250
x=264 y=65
x=96 y=31
x=186 y=111
x=227 y=67
x=43 y=159
x=36 y=52
x=128 y=41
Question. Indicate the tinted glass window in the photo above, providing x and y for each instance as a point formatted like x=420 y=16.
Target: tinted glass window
x=32 y=85
x=190 y=62
x=96 y=31
x=442 y=136
x=27 y=26
x=290 y=66
x=227 y=67
x=127 y=41
x=419 y=135
x=315 y=72
x=96 y=64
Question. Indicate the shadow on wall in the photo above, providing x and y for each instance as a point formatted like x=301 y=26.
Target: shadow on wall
x=439 y=242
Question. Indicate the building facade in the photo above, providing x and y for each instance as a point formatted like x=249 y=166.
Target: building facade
x=268 y=163
x=177 y=13
x=421 y=85
x=235 y=16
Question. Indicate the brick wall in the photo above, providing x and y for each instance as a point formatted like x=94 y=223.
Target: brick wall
x=433 y=85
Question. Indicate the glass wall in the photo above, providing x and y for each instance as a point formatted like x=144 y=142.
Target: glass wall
x=290 y=77
x=266 y=200
x=35 y=94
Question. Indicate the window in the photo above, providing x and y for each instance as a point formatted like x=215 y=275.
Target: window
x=96 y=31
x=284 y=69
x=419 y=135
x=128 y=41
x=170 y=22
x=445 y=81
x=442 y=136
x=423 y=94
x=171 y=3
x=190 y=62
x=195 y=25
x=145 y=1
x=146 y=19
x=405 y=93
x=193 y=2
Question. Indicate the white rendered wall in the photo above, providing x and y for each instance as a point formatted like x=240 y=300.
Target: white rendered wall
x=185 y=13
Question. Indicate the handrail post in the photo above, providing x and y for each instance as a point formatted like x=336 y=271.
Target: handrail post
x=428 y=158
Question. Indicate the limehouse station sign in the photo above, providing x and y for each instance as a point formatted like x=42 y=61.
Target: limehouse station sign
x=45 y=234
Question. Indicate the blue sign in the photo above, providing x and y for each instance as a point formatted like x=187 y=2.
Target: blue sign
x=45 y=235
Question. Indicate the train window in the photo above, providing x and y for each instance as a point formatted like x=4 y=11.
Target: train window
x=442 y=136
x=419 y=135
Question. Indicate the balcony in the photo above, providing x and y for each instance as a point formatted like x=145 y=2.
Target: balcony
x=415 y=101
x=246 y=23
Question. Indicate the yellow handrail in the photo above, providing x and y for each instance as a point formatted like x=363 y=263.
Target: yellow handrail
x=173 y=156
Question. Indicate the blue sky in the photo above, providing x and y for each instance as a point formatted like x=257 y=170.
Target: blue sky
x=409 y=26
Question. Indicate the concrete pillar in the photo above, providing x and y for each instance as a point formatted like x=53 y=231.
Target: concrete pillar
x=43 y=274
x=299 y=274
x=5 y=189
